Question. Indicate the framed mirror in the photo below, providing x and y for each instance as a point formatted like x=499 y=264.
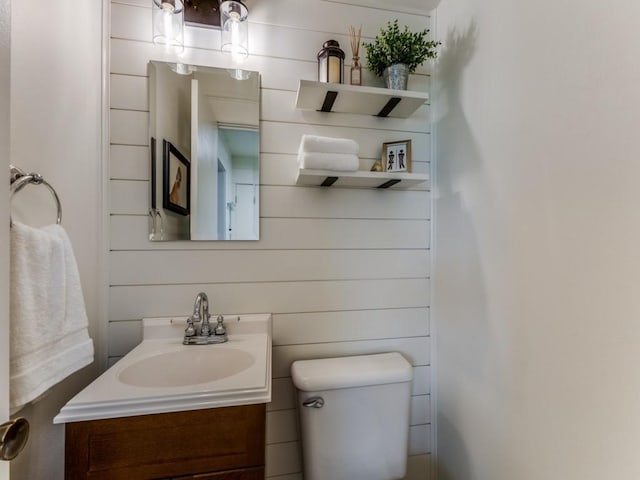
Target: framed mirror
x=204 y=127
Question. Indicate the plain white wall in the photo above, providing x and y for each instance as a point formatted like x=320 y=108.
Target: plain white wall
x=55 y=131
x=537 y=228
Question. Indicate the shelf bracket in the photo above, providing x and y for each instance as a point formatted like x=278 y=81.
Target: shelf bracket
x=329 y=100
x=329 y=181
x=390 y=183
x=391 y=104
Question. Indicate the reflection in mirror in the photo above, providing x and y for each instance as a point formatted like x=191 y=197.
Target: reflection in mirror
x=205 y=154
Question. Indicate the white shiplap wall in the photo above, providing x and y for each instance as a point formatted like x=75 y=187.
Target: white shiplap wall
x=343 y=271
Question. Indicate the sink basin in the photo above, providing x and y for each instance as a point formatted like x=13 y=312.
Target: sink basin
x=162 y=375
x=186 y=367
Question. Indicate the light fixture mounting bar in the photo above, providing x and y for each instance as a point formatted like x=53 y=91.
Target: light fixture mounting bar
x=202 y=13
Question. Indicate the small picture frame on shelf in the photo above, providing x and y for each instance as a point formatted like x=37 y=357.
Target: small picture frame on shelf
x=176 y=173
x=396 y=156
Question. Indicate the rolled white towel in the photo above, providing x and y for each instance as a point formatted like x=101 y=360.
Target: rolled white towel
x=341 y=162
x=314 y=143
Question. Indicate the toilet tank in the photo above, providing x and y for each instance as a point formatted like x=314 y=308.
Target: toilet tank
x=355 y=425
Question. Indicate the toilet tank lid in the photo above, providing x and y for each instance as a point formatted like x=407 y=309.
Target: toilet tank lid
x=348 y=372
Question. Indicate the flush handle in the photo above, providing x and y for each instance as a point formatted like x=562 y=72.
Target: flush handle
x=13 y=437
x=314 y=402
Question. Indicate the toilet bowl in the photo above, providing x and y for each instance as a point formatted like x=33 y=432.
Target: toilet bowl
x=354 y=416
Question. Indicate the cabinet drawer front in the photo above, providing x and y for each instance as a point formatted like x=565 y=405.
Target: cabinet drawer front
x=167 y=445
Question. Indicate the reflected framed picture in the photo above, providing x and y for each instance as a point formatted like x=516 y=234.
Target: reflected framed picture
x=176 y=180
x=396 y=156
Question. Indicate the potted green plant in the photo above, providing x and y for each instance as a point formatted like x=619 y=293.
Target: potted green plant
x=395 y=54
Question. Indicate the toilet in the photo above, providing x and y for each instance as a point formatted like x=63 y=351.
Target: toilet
x=354 y=416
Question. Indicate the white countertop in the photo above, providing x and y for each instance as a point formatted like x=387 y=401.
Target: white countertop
x=109 y=397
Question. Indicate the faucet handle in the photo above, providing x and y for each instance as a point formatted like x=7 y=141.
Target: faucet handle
x=190 y=331
x=220 y=330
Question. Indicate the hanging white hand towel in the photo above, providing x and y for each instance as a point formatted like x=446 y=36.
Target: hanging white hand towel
x=49 y=339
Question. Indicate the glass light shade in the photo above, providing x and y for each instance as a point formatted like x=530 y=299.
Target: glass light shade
x=239 y=74
x=168 y=24
x=182 y=68
x=235 y=29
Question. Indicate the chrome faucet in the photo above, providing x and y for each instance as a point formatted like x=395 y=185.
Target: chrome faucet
x=203 y=335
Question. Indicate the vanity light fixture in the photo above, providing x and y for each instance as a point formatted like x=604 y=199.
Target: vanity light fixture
x=231 y=16
x=168 y=24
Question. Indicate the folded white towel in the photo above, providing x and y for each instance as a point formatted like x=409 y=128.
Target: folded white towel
x=340 y=162
x=48 y=326
x=314 y=143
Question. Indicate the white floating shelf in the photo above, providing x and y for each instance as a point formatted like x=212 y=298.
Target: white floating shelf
x=359 y=179
x=341 y=98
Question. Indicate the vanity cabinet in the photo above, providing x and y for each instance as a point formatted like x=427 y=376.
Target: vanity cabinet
x=242 y=474
x=226 y=443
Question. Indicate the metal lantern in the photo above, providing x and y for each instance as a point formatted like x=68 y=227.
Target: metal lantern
x=330 y=62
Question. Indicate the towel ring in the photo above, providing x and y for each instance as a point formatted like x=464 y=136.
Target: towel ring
x=19 y=180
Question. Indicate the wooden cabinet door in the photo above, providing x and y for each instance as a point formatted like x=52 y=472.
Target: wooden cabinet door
x=168 y=445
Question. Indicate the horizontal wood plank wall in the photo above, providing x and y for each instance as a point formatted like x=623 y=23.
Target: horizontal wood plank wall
x=342 y=271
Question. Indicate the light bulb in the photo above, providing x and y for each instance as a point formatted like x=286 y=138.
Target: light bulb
x=235 y=37
x=167 y=19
